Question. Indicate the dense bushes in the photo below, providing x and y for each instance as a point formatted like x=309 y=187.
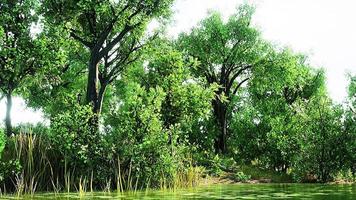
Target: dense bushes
x=138 y=138
x=150 y=127
x=322 y=142
x=72 y=136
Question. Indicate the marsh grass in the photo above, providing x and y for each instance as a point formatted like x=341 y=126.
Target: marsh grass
x=46 y=170
x=36 y=170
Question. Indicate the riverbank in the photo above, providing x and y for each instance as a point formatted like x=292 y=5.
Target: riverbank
x=255 y=175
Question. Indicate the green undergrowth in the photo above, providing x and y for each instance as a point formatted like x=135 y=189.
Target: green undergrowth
x=264 y=175
x=227 y=168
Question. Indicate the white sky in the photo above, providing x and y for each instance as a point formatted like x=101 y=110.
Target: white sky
x=324 y=29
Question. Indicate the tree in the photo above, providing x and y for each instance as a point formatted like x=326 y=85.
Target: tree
x=350 y=124
x=19 y=49
x=267 y=127
x=323 y=142
x=227 y=52
x=112 y=32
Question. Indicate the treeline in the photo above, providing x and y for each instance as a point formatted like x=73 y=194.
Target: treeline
x=132 y=109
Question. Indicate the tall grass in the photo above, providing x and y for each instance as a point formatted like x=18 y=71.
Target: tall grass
x=45 y=169
x=33 y=153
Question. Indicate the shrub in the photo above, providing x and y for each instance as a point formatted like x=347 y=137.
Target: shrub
x=241 y=177
x=71 y=134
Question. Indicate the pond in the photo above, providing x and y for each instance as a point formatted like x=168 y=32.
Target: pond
x=233 y=191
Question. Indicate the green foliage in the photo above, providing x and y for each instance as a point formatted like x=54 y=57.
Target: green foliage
x=16 y=57
x=322 y=141
x=137 y=134
x=9 y=169
x=215 y=166
x=2 y=141
x=71 y=135
x=241 y=177
x=264 y=175
x=157 y=110
x=186 y=102
x=226 y=52
x=350 y=126
x=249 y=139
x=267 y=128
x=131 y=111
x=62 y=75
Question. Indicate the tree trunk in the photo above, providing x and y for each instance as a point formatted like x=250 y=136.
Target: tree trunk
x=92 y=95
x=99 y=102
x=8 y=113
x=92 y=85
x=220 y=112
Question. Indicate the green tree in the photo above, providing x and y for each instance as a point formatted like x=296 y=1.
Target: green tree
x=19 y=49
x=267 y=128
x=323 y=142
x=111 y=31
x=350 y=124
x=227 y=52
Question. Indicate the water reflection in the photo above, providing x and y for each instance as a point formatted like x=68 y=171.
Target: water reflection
x=242 y=191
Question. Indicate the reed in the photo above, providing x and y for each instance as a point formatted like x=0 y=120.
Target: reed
x=45 y=169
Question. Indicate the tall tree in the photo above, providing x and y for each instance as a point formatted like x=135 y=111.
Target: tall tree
x=227 y=52
x=112 y=32
x=18 y=49
x=279 y=87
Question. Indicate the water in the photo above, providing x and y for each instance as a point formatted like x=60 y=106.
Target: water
x=238 y=191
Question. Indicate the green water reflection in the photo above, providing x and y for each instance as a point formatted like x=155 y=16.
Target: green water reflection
x=243 y=191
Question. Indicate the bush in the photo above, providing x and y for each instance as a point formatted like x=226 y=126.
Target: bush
x=241 y=177
x=80 y=146
x=323 y=150
x=148 y=152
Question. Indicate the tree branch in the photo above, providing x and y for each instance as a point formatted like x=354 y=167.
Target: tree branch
x=239 y=85
x=115 y=72
x=91 y=20
x=117 y=39
x=76 y=37
x=233 y=78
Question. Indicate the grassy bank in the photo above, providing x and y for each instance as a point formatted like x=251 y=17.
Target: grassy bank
x=30 y=164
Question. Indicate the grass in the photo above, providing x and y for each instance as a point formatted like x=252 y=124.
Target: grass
x=45 y=170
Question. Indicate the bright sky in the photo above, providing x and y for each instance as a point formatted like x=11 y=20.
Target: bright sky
x=324 y=29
